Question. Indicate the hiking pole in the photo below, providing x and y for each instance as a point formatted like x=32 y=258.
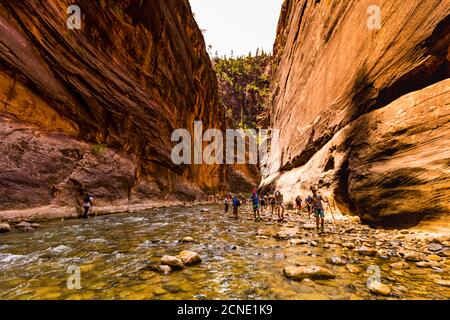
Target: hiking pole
x=332 y=214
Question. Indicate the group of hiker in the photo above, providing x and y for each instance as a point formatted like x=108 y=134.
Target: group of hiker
x=275 y=204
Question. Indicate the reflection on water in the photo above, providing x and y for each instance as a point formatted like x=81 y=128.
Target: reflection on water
x=113 y=251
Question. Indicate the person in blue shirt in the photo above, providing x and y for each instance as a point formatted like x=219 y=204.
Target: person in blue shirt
x=255 y=202
x=236 y=204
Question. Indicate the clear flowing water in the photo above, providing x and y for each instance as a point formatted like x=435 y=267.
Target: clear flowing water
x=113 y=251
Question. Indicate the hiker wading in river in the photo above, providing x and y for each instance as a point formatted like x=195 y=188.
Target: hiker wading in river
x=279 y=205
x=236 y=205
x=226 y=203
x=255 y=203
x=318 y=209
x=87 y=204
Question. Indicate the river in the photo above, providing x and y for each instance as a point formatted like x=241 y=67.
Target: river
x=113 y=251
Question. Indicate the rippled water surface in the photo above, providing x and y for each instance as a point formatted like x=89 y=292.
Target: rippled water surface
x=113 y=251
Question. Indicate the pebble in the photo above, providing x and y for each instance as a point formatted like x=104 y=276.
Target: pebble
x=187 y=239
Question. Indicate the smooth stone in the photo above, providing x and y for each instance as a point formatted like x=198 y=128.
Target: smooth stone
x=296 y=242
x=187 y=239
x=24 y=226
x=310 y=272
x=263 y=232
x=434 y=257
x=314 y=243
x=309 y=226
x=435 y=247
x=5 y=227
x=446 y=253
x=348 y=245
x=379 y=288
x=189 y=258
x=159 y=291
x=335 y=260
x=445 y=283
x=204 y=210
x=353 y=269
x=366 y=251
x=172 y=261
x=400 y=265
x=414 y=256
x=171 y=287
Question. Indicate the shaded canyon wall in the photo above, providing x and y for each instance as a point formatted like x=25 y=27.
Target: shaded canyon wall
x=93 y=109
x=364 y=113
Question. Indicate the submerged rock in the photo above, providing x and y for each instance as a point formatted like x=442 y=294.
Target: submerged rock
x=400 y=265
x=353 y=268
x=445 y=283
x=310 y=272
x=414 y=256
x=367 y=251
x=24 y=226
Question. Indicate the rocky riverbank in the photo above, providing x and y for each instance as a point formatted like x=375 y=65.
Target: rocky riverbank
x=12 y=218
x=382 y=256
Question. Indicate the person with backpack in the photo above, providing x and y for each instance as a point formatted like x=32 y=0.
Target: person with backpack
x=236 y=205
x=255 y=202
x=298 y=205
x=279 y=205
x=272 y=203
x=226 y=203
x=318 y=209
x=87 y=204
x=309 y=205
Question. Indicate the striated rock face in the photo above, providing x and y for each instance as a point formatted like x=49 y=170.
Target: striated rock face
x=93 y=109
x=364 y=113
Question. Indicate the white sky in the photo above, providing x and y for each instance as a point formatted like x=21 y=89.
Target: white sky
x=238 y=25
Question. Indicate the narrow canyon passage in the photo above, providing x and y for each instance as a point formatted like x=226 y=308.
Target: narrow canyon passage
x=240 y=259
x=358 y=92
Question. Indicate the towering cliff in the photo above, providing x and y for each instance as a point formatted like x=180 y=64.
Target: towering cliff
x=364 y=113
x=93 y=109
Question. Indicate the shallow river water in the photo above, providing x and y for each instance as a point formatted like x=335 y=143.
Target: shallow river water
x=113 y=251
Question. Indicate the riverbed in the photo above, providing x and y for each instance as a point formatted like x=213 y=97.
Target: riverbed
x=240 y=258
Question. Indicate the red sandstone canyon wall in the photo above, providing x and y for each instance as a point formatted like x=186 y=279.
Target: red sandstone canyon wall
x=93 y=109
x=364 y=113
